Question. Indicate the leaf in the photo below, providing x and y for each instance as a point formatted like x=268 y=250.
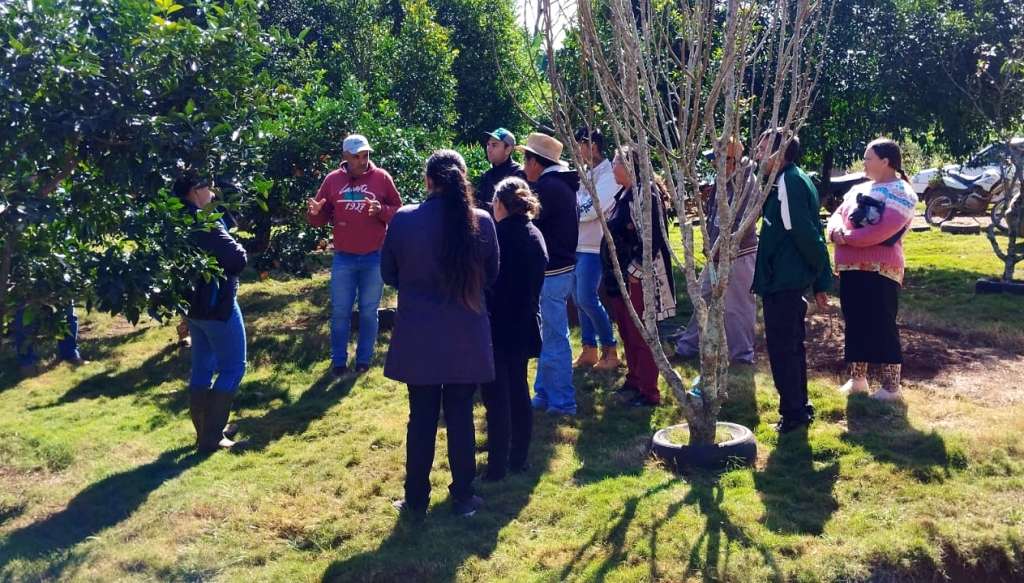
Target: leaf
x=302 y=35
x=174 y=8
x=190 y=107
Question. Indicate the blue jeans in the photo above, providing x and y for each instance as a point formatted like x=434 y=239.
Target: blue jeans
x=351 y=274
x=594 y=320
x=553 y=388
x=67 y=347
x=218 y=348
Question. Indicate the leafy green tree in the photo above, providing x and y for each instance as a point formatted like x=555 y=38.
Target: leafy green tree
x=104 y=101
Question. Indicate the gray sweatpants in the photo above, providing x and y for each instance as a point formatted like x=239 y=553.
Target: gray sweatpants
x=740 y=315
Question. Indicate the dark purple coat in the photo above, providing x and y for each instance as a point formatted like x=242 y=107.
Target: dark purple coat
x=436 y=340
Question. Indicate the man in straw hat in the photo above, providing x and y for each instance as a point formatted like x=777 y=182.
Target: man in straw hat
x=555 y=185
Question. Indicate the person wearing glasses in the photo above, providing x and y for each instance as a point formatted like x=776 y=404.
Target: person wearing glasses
x=740 y=304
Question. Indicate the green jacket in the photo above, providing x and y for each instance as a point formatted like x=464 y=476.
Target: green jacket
x=791 y=250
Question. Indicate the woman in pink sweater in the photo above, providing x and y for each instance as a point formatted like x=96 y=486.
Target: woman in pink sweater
x=867 y=230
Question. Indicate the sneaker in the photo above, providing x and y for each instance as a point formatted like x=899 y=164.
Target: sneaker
x=887 y=395
x=405 y=510
x=787 y=425
x=340 y=371
x=362 y=368
x=468 y=507
x=76 y=361
x=854 y=386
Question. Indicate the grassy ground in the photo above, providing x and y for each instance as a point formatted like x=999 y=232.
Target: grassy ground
x=98 y=480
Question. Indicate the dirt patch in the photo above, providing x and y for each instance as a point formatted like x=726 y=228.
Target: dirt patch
x=940 y=361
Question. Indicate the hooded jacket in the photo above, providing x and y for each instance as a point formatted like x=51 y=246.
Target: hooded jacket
x=491 y=178
x=559 y=219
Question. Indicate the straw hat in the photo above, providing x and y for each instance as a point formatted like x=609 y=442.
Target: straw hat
x=544 y=146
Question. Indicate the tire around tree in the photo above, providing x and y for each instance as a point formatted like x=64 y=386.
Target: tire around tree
x=739 y=450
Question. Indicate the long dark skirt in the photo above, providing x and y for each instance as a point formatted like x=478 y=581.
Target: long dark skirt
x=870 y=303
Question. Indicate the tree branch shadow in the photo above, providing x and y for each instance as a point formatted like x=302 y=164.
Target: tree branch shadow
x=99 y=506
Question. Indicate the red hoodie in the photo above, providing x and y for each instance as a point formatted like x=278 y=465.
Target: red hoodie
x=355 y=231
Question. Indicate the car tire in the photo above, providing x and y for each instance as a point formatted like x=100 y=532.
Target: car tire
x=739 y=450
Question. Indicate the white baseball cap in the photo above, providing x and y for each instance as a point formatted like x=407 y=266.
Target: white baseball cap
x=356 y=143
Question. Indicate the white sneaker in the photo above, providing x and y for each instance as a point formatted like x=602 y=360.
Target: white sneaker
x=887 y=395
x=854 y=386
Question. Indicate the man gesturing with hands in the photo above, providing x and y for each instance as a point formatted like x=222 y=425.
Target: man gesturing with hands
x=358 y=200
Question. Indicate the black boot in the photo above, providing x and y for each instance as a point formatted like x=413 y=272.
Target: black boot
x=197 y=403
x=217 y=412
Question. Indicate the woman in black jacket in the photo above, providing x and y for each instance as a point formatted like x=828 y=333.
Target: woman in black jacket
x=513 y=303
x=215 y=323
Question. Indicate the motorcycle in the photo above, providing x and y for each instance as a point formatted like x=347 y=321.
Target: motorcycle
x=959 y=195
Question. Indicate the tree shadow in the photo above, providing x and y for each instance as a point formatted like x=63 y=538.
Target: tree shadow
x=294 y=417
x=884 y=431
x=434 y=549
x=798 y=497
x=99 y=506
x=166 y=363
x=615 y=536
x=708 y=495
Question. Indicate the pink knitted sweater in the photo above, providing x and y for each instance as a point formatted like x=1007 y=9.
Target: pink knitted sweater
x=861 y=248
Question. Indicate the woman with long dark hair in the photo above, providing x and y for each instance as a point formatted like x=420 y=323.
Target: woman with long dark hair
x=867 y=230
x=441 y=254
x=514 y=305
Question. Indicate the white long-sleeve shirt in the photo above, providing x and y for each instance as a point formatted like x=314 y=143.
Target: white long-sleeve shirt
x=590 y=227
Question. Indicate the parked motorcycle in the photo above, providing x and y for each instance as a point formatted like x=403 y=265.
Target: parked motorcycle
x=959 y=195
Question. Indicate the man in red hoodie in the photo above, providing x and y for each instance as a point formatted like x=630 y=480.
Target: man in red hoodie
x=358 y=201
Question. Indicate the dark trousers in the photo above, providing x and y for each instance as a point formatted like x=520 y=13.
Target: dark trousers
x=784 y=333
x=509 y=414
x=641 y=370
x=870 y=302
x=425 y=403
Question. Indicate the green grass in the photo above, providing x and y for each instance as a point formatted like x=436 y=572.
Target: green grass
x=98 y=481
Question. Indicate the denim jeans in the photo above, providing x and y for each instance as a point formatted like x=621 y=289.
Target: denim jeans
x=553 y=389
x=352 y=274
x=594 y=320
x=67 y=347
x=218 y=348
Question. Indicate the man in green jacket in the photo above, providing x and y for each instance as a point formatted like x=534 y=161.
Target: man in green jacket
x=791 y=257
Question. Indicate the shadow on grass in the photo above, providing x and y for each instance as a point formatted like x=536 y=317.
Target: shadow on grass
x=884 y=431
x=293 y=418
x=709 y=551
x=101 y=505
x=434 y=549
x=167 y=363
x=798 y=497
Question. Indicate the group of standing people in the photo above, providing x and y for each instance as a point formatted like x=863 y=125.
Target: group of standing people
x=484 y=277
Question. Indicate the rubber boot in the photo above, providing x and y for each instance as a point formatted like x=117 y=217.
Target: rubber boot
x=217 y=411
x=197 y=402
